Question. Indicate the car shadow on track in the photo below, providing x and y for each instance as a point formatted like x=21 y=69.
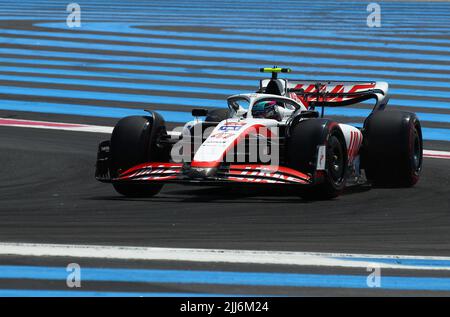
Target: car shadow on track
x=213 y=194
x=230 y=195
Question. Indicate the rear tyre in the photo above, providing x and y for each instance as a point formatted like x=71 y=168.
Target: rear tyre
x=133 y=141
x=302 y=148
x=392 y=152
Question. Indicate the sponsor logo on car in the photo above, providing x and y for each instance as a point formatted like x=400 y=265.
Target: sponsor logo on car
x=222 y=135
x=232 y=126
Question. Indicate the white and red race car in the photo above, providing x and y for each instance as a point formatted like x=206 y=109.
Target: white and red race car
x=272 y=137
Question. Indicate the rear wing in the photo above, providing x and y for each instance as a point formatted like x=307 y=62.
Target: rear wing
x=328 y=93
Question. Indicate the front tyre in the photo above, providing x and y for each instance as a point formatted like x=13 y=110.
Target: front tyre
x=134 y=141
x=302 y=150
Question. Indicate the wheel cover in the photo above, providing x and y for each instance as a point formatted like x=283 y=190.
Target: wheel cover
x=335 y=160
x=417 y=153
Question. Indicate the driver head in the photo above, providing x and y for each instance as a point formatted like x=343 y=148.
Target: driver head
x=266 y=110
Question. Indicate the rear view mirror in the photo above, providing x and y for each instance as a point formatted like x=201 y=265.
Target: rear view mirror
x=199 y=112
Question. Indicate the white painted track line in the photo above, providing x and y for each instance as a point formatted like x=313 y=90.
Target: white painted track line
x=54 y=125
x=225 y=256
x=8 y=122
x=436 y=154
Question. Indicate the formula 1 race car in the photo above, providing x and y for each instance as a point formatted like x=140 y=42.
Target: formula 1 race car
x=272 y=137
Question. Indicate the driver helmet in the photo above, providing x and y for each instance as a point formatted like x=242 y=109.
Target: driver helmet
x=266 y=110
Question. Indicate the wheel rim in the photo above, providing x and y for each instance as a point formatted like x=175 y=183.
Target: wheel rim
x=417 y=153
x=336 y=160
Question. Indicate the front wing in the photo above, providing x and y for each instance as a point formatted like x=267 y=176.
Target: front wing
x=233 y=173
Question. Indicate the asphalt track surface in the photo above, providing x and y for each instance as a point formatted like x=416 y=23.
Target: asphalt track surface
x=48 y=193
